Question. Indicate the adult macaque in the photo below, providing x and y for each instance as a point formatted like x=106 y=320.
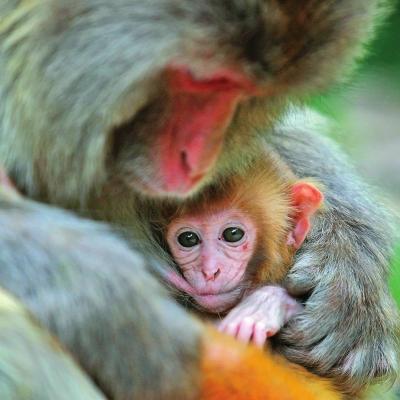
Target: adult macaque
x=105 y=100
x=239 y=234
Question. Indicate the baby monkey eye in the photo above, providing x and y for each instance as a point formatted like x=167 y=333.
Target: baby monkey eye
x=232 y=234
x=188 y=239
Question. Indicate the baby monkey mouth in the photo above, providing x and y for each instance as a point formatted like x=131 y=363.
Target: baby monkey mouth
x=214 y=292
x=217 y=301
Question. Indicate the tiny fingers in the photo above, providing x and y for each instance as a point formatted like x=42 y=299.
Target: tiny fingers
x=245 y=331
x=230 y=328
x=259 y=334
x=249 y=329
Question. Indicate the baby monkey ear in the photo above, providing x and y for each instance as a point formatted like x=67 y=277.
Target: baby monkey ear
x=306 y=199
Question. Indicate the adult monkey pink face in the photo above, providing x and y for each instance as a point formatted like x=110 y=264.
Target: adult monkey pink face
x=172 y=144
x=213 y=252
x=192 y=137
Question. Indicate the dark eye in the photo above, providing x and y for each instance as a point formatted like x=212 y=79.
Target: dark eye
x=188 y=239
x=232 y=234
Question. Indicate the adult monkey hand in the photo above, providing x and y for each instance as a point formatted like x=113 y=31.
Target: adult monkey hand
x=92 y=95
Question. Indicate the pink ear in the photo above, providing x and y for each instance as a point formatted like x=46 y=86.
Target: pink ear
x=306 y=199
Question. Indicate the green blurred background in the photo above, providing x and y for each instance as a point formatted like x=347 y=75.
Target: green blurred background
x=367 y=111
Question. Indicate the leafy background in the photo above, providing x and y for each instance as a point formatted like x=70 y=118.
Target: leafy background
x=367 y=111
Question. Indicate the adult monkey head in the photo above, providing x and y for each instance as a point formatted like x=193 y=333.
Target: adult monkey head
x=183 y=132
x=151 y=100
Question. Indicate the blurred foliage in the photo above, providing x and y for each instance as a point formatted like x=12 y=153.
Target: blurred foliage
x=383 y=57
x=381 y=64
x=385 y=50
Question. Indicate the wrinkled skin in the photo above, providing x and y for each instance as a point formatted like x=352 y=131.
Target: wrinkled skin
x=213 y=267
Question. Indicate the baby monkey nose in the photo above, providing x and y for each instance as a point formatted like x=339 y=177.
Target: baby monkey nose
x=211 y=275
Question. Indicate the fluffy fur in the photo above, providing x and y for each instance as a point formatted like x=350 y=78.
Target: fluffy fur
x=81 y=89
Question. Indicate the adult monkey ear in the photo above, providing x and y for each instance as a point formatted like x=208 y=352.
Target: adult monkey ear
x=306 y=199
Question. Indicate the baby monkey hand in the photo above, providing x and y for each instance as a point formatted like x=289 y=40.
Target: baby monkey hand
x=260 y=315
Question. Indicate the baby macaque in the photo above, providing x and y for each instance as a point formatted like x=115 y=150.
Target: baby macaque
x=234 y=243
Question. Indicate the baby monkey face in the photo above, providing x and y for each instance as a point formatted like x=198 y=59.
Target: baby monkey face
x=213 y=252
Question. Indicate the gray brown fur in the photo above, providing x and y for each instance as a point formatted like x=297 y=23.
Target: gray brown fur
x=95 y=295
x=81 y=89
x=349 y=327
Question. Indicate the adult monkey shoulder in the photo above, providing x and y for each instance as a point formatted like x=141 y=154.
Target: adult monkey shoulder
x=29 y=355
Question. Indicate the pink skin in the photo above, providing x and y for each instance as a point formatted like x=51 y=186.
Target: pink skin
x=213 y=268
x=260 y=315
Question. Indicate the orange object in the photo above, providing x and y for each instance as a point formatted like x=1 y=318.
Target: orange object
x=231 y=370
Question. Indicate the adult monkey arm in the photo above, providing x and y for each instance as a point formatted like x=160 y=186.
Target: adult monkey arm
x=97 y=304
x=32 y=364
x=356 y=231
